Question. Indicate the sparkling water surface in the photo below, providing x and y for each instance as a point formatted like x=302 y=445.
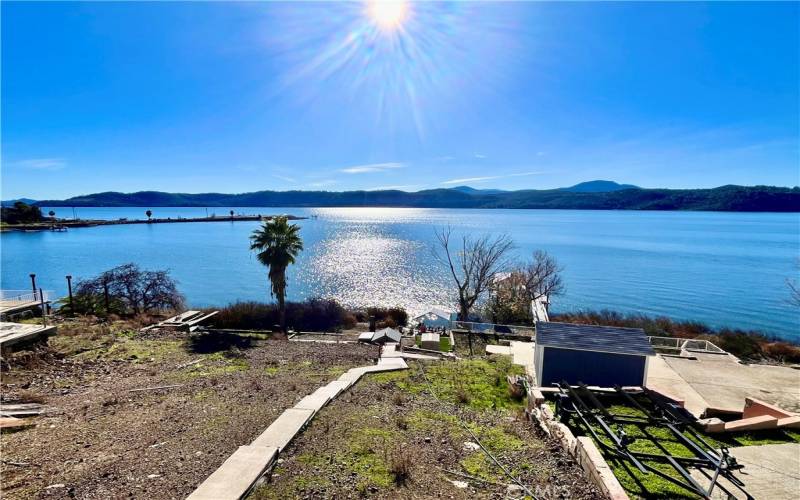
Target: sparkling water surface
x=720 y=268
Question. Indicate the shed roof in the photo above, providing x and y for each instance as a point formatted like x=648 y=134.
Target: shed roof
x=611 y=339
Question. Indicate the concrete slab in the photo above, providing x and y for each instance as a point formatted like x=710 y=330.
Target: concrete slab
x=352 y=375
x=237 y=474
x=283 y=429
x=663 y=378
x=771 y=471
x=752 y=424
x=756 y=408
x=723 y=383
x=789 y=422
x=334 y=388
x=523 y=354
x=498 y=349
x=313 y=402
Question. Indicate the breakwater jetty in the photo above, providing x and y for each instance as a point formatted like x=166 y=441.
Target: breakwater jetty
x=63 y=224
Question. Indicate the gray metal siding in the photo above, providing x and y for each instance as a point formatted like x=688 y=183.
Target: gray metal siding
x=591 y=368
x=606 y=339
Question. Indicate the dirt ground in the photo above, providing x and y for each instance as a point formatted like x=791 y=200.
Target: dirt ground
x=103 y=439
x=389 y=437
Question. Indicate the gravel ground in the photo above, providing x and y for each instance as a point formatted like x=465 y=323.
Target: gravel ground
x=101 y=440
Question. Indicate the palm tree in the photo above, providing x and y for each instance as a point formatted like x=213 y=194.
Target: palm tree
x=149 y=214
x=278 y=244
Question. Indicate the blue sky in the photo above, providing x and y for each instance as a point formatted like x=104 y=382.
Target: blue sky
x=199 y=97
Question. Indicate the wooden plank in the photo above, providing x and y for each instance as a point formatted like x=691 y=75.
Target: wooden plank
x=11 y=422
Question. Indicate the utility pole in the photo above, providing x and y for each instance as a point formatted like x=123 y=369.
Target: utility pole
x=71 y=303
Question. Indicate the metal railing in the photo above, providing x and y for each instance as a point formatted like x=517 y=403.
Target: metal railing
x=493 y=328
x=22 y=296
x=678 y=344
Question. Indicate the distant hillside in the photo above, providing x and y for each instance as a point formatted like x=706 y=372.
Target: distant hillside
x=10 y=203
x=724 y=198
x=598 y=187
x=472 y=190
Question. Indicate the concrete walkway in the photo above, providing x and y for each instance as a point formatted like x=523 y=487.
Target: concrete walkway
x=771 y=471
x=521 y=352
x=661 y=377
x=240 y=472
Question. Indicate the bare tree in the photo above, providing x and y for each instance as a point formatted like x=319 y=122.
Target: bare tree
x=513 y=294
x=473 y=263
x=541 y=277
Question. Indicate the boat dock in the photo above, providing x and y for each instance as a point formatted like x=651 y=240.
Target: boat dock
x=16 y=302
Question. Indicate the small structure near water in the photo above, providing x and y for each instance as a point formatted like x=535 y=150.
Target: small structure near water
x=601 y=356
x=187 y=321
x=381 y=336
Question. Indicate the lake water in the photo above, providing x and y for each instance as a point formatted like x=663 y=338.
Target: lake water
x=720 y=268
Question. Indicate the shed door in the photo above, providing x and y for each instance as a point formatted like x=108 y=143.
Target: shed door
x=591 y=368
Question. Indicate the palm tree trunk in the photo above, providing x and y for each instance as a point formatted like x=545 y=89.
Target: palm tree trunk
x=281 y=295
x=282 y=312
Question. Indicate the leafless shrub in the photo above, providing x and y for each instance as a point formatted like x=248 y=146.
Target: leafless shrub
x=130 y=291
x=402 y=423
x=401 y=462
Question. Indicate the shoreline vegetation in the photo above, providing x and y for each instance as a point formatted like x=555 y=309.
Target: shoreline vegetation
x=724 y=198
x=128 y=291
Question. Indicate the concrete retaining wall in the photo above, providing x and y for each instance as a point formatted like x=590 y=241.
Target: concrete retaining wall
x=582 y=449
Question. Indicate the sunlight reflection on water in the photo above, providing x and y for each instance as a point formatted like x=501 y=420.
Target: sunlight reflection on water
x=364 y=266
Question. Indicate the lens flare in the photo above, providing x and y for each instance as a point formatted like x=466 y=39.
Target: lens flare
x=404 y=65
x=388 y=15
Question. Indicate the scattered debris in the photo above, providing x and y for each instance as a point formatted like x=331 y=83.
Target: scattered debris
x=156 y=388
x=470 y=446
x=190 y=363
x=459 y=484
x=21 y=410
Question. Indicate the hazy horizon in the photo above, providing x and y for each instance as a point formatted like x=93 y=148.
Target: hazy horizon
x=241 y=97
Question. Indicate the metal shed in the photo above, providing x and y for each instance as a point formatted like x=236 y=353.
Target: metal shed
x=603 y=356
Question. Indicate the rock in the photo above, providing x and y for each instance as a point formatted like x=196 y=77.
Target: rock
x=514 y=491
x=428 y=439
x=470 y=446
x=459 y=484
x=54 y=486
x=153 y=476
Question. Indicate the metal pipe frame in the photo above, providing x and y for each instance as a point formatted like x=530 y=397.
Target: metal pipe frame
x=720 y=463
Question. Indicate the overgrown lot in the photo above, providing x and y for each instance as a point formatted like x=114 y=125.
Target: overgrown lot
x=103 y=439
x=389 y=437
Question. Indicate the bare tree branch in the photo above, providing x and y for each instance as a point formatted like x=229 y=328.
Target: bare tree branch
x=474 y=265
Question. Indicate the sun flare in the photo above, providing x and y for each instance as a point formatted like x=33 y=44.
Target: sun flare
x=387 y=14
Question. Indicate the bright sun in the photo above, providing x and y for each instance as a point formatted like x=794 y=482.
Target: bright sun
x=387 y=14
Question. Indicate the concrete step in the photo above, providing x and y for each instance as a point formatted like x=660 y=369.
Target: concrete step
x=234 y=479
x=281 y=432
